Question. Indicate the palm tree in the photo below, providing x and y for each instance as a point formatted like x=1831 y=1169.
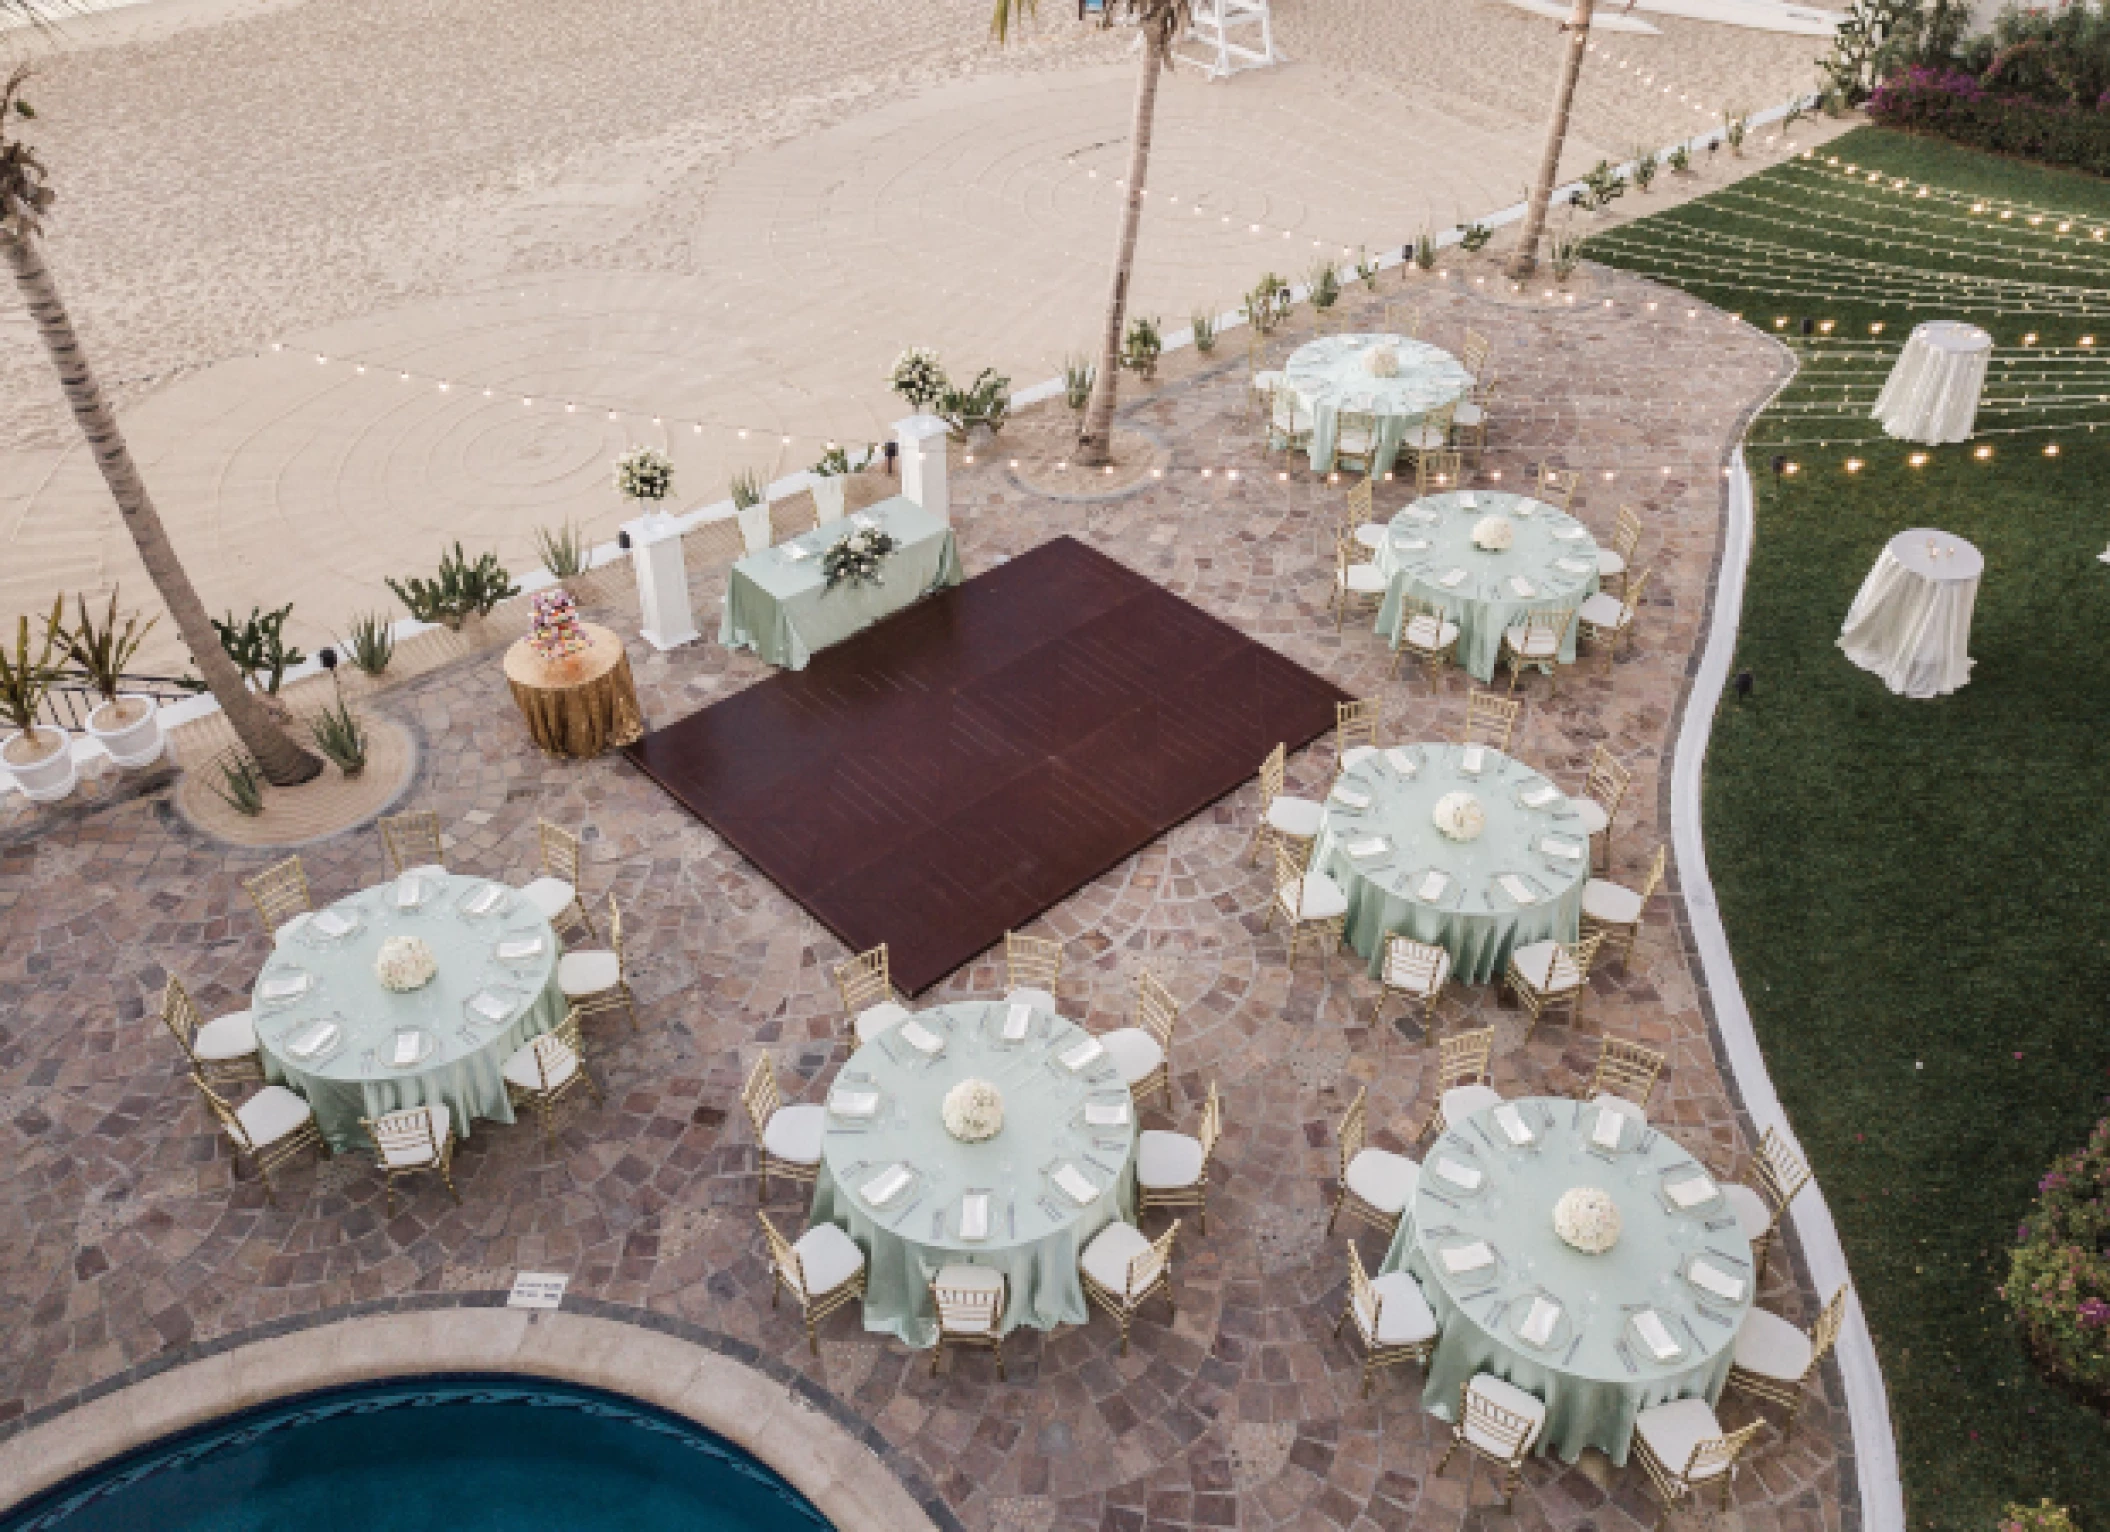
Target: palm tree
x=1577 y=26
x=24 y=198
x=1161 y=23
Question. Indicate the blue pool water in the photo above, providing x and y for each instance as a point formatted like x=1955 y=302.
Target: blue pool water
x=432 y=1455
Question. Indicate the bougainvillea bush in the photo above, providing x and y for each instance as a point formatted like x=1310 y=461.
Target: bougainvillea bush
x=2058 y=1278
x=2042 y=1517
x=1958 y=106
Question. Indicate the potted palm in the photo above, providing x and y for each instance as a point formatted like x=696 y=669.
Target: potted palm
x=126 y=724
x=38 y=755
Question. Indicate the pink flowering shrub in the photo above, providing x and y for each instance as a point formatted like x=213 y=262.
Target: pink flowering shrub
x=2058 y=1278
x=2042 y=1517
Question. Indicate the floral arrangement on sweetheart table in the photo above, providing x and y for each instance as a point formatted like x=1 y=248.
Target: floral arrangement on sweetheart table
x=858 y=557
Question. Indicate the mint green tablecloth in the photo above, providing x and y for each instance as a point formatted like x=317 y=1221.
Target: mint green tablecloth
x=1473 y=916
x=1036 y=1231
x=1330 y=375
x=352 y=1078
x=1591 y=1395
x=783 y=610
x=1434 y=536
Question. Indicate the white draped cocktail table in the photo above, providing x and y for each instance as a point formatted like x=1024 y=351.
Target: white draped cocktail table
x=1911 y=623
x=1932 y=392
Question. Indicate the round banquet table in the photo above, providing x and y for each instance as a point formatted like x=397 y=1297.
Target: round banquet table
x=1932 y=393
x=1036 y=1230
x=1429 y=553
x=1455 y=894
x=1595 y=1375
x=352 y=1075
x=1329 y=375
x=1911 y=622
x=581 y=705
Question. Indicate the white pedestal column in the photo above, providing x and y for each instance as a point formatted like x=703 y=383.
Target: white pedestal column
x=662 y=582
x=922 y=439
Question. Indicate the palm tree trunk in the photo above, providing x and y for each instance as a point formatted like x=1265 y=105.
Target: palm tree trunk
x=282 y=761
x=1095 y=443
x=1526 y=259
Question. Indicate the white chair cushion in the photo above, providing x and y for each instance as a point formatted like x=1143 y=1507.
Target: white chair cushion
x=1771 y=1347
x=1532 y=642
x=1355 y=755
x=1403 y=1316
x=1266 y=381
x=1613 y=903
x=970 y=1279
x=1754 y=1215
x=1372 y=536
x=1610 y=563
x=1467 y=414
x=1039 y=999
x=1105 y=1259
x=1168 y=1161
x=1298 y=818
x=549 y=897
x=1422 y=438
x=427 y=870
x=1592 y=814
x=1461 y=1101
x=401 y=1156
x=1673 y=1430
x=1546 y=968
x=588 y=973
x=225 y=1037
x=1321 y=899
x=1431 y=632
x=271 y=1114
x=828 y=1257
x=1505 y=1395
x=876 y=1020
x=291 y=926
x=1365 y=580
x=1405 y=970
x=1621 y=1105
x=794 y=1133
x=1385 y=1180
x=1602 y=611
x=558 y=1061
x=1136 y=1054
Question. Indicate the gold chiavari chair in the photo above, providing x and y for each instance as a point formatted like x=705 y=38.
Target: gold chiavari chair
x=1616 y=910
x=787 y=1138
x=1604 y=788
x=969 y=1302
x=1417 y=970
x=823 y=1272
x=1261 y=380
x=1142 y=1050
x=1431 y=434
x=222 y=1051
x=1685 y=1452
x=280 y=894
x=1614 y=562
x=1360 y=516
x=1355 y=727
x=1032 y=969
x=1475 y=352
x=267 y=1130
x=1550 y=977
x=1464 y=1080
x=870 y=1006
x=1625 y=1077
x=1537 y=641
x=1438 y=473
x=546 y=1071
x=595 y=980
x=1122 y=1271
x=1305 y=899
x=1469 y=421
x=1172 y=1169
x=1392 y=1318
x=1403 y=319
x=411 y=1142
x=411 y=842
x=558 y=894
x=1424 y=632
x=1774 y=1360
x=1607 y=619
x=1290 y=427
x=1356 y=584
x=1376 y=1184
x=1781 y=1173
x=1489 y=720
x=1355 y=439
x=1284 y=818
x=1557 y=487
x=1499 y=1422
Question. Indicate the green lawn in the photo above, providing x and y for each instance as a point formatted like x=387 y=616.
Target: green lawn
x=1917 y=891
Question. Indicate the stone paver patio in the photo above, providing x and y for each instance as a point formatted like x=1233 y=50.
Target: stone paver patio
x=126 y=1239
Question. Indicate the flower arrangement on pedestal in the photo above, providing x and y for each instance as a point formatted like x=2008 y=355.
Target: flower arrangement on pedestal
x=1459 y=816
x=973 y=1111
x=555 y=632
x=644 y=475
x=1588 y=1219
x=1382 y=362
x=405 y=964
x=919 y=377
x=857 y=557
x=1493 y=533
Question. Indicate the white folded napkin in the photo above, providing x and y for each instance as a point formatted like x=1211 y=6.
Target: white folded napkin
x=1692 y=1192
x=318 y=1038
x=1455 y=578
x=1717 y=1281
x=410 y=893
x=408 y=1046
x=1348 y=795
x=1363 y=850
x=284 y=986
x=853 y=1103
x=482 y=900
x=1541 y=795
x=1433 y=885
x=974 y=1216
x=1462 y=1176
x=1410 y=544
x=1569 y=534
x=1517 y=888
x=1537 y=1327
x=527 y=947
x=1513 y=1126
x=489 y=1006
x=1084 y=1054
x=330 y=923
x=886 y=1186
x=919 y=1037
x=1017 y=1019
x=794 y=552
x=1522 y=586
x=1574 y=566
x=1106 y=1114
x=1400 y=761
x=1473 y=759
x=1655 y=1335
x=1469 y=500
x=1554 y=846
x=1076 y=1186
x=1468 y=1258
x=1611 y=1127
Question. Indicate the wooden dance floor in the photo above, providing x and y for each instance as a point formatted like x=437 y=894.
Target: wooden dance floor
x=954 y=771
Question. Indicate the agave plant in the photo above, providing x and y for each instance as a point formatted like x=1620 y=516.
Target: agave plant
x=1143 y=346
x=1077 y=376
x=340 y=735
x=1204 y=326
x=241 y=785
x=564 y=549
x=372 y=643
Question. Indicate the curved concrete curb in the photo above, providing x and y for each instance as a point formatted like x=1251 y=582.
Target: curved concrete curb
x=1867 y=1403
x=824 y=1462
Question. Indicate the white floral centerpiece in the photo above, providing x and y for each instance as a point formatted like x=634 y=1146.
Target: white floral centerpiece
x=644 y=475
x=973 y=1111
x=1382 y=362
x=919 y=377
x=1588 y=1219
x=1459 y=816
x=1493 y=533
x=405 y=964
x=857 y=557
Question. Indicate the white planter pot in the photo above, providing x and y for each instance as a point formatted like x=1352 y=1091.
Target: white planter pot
x=131 y=745
x=828 y=497
x=47 y=779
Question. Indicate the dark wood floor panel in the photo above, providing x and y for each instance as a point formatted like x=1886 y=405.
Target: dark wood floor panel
x=951 y=773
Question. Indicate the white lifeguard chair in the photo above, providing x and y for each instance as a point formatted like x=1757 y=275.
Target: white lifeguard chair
x=1212 y=33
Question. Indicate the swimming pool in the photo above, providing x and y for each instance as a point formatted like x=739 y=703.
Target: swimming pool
x=456 y=1454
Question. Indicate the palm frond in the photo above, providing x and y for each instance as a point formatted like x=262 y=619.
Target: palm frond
x=41 y=14
x=1000 y=21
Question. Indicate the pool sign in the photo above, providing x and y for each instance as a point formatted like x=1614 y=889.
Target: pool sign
x=536 y=1290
